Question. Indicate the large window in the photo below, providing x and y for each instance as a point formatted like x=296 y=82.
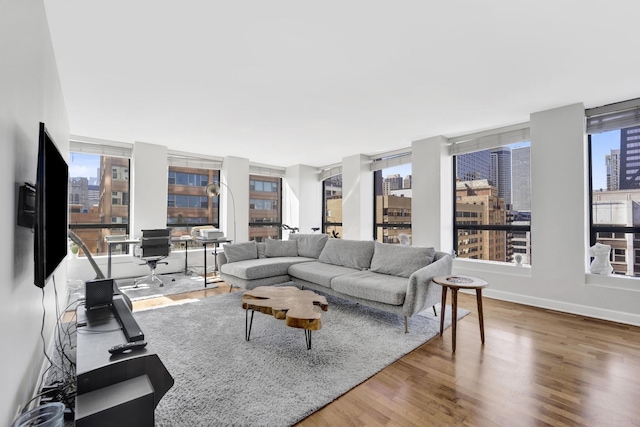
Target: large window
x=187 y=203
x=265 y=213
x=492 y=208
x=332 y=206
x=615 y=196
x=392 y=187
x=98 y=199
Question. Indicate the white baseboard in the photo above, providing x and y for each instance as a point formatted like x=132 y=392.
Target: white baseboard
x=583 y=310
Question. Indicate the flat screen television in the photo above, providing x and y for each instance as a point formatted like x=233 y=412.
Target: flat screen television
x=50 y=222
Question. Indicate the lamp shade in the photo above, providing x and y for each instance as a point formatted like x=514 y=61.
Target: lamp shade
x=212 y=190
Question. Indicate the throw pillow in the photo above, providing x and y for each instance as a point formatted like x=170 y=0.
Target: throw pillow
x=347 y=253
x=310 y=245
x=400 y=260
x=241 y=251
x=276 y=248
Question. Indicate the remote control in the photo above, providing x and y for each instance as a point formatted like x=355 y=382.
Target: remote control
x=128 y=346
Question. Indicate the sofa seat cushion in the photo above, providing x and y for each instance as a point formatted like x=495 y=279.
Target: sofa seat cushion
x=318 y=272
x=372 y=286
x=263 y=267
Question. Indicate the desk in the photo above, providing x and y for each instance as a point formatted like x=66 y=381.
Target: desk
x=455 y=283
x=112 y=242
x=215 y=243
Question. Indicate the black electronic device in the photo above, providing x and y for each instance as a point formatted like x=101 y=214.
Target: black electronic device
x=98 y=293
x=51 y=209
x=26 y=205
x=129 y=325
x=128 y=346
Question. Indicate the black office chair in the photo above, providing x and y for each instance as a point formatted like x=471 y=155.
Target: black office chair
x=154 y=246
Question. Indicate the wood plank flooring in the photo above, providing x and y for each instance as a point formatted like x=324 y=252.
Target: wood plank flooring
x=537 y=368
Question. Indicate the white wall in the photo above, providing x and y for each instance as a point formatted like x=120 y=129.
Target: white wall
x=302 y=198
x=357 y=198
x=30 y=92
x=431 y=199
x=235 y=174
x=149 y=186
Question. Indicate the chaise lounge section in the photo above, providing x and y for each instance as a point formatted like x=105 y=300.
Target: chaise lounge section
x=391 y=278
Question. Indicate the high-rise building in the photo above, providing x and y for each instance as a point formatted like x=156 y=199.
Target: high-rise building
x=521 y=179
x=407 y=182
x=477 y=203
x=630 y=158
x=500 y=172
x=473 y=166
x=612 y=163
x=392 y=182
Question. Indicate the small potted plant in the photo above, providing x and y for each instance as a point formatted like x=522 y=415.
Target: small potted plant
x=74 y=250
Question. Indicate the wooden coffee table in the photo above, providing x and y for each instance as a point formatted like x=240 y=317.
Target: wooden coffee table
x=456 y=282
x=299 y=308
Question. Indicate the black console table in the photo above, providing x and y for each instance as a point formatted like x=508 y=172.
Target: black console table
x=122 y=389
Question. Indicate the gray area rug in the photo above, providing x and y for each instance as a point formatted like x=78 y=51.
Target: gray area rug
x=181 y=284
x=272 y=380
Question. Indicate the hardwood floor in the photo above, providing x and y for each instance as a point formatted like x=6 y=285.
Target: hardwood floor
x=537 y=367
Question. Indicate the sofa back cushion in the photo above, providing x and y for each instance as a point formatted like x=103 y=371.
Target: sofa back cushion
x=241 y=251
x=277 y=248
x=262 y=246
x=400 y=260
x=347 y=253
x=310 y=245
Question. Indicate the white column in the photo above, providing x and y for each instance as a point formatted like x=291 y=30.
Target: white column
x=234 y=177
x=559 y=197
x=431 y=202
x=149 y=186
x=302 y=198
x=357 y=198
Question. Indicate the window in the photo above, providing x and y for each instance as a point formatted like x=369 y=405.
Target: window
x=332 y=206
x=187 y=203
x=99 y=198
x=615 y=197
x=265 y=200
x=492 y=196
x=392 y=210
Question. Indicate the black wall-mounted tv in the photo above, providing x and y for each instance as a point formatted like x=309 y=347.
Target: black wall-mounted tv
x=50 y=223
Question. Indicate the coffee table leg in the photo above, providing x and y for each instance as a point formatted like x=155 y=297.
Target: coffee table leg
x=443 y=304
x=247 y=324
x=454 y=314
x=480 y=316
x=307 y=336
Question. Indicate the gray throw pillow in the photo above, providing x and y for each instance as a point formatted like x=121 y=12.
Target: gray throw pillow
x=241 y=251
x=276 y=248
x=347 y=253
x=310 y=245
x=400 y=260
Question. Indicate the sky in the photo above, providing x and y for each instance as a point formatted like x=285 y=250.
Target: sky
x=601 y=145
x=83 y=165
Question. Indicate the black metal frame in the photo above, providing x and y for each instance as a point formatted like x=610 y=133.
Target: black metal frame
x=377 y=225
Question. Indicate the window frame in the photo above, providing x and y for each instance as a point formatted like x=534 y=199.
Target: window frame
x=508 y=229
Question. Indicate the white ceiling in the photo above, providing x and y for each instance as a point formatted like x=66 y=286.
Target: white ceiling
x=287 y=82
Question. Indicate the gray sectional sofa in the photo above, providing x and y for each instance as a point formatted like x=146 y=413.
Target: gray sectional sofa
x=392 y=278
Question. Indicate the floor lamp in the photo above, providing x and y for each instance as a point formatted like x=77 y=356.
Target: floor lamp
x=213 y=190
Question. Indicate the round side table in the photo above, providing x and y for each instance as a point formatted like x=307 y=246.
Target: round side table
x=456 y=282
